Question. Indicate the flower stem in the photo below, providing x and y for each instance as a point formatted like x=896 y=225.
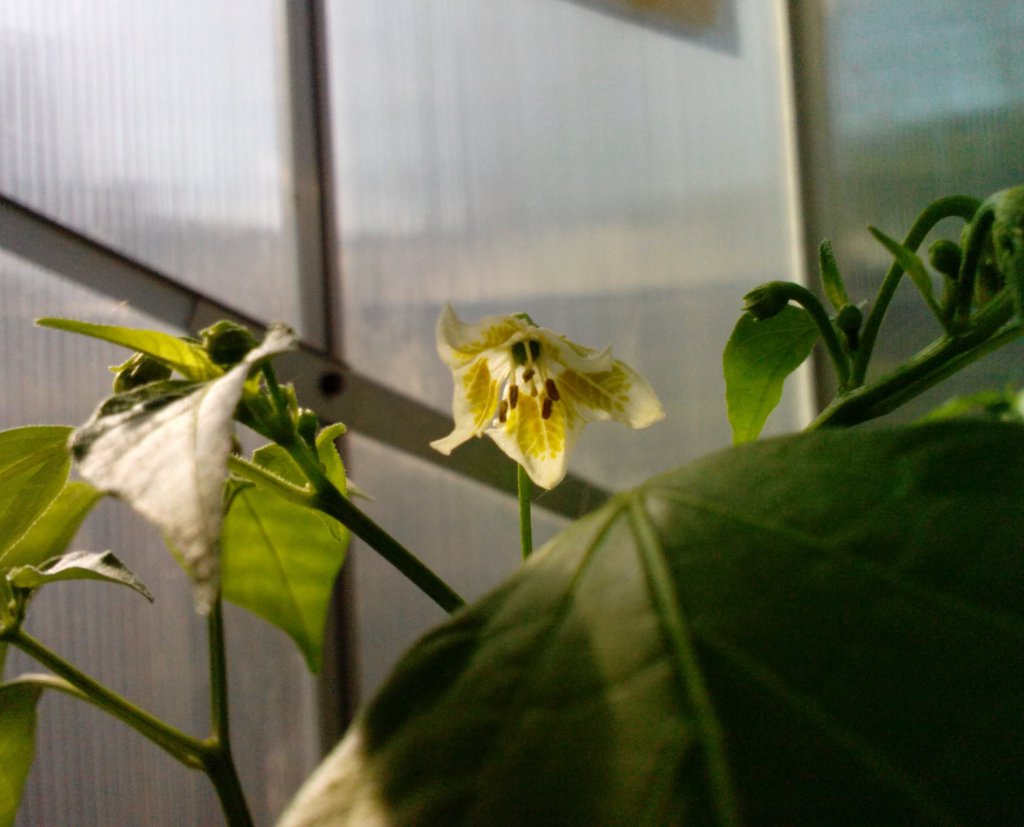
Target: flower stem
x=525 y=520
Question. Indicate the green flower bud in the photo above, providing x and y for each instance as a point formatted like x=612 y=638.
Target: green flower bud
x=307 y=424
x=849 y=320
x=766 y=301
x=227 y=343
x=1008 y=239
x=140 y=369
x=945 y=256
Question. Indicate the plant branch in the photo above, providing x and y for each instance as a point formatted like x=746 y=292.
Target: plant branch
x=525 y=520
x=325 y=497
x=331 y=501
x=186 y=749
x=956 y=206
x=944 y=357
x=217 y=759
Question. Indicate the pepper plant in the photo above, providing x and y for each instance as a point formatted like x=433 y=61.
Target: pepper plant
x=824 y=628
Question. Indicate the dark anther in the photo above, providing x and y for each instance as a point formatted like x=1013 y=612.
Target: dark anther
x=513 y=396
x=528 y=374
x=331 y=383
x=534 y=348
x=549 y=386
x=545 y=409
x=503 y=411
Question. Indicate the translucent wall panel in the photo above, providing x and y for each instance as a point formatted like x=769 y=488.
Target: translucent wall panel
x=924 y=98
x=161 y=129
x=90 y=769
x=621 y=184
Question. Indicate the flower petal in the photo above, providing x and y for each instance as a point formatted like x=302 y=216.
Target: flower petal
x=620 y=393
x=459 y=343
x=473 y=402
x=541 y=446
x=573 y=356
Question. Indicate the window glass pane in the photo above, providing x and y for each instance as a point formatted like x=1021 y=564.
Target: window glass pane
x=89 y=768
x=621 y=184
x=160 y=129
x=925 y=98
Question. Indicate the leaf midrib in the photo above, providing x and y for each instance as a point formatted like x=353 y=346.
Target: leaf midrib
x=666 y=605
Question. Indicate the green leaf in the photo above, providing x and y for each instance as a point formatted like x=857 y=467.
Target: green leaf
x=831 y=279
x=757 y=359
x=169 y=460
x=51 y=534
x=34 y=464
x=78 y=565
x=17 y=745
x=913 y=266
x=280 y=560
x=189 y=359
x=822 y=629
x=8 y=614
x=328 y=453
x=1004 y=406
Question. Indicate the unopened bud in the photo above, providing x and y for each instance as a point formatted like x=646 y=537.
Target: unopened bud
x=140 y=369
x=945 y=256
x=307 y=424
x=766 y=301
x=227 y=343
x=849 y=320
x=1008 y=238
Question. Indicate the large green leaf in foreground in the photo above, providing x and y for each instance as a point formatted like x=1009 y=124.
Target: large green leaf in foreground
x=823 y=629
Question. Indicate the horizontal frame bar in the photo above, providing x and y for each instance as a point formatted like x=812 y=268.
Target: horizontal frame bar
x=337 y=392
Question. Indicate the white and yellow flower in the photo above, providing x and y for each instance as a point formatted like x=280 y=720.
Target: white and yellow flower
x=532 y=390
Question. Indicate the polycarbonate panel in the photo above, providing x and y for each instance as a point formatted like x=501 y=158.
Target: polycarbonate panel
x=161 y=129
x=622 y=184
x=89 y=768
x=466 y=533
x=619 y=183
x=924 y=98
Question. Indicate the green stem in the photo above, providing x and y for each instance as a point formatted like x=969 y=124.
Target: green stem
x=809 y=302
x=217 y=759
x=325 y=497
x=972 y=250
x=929 y=366
x=329 y=500
x=186 y=749
x=956 y=206
x=525 y=521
